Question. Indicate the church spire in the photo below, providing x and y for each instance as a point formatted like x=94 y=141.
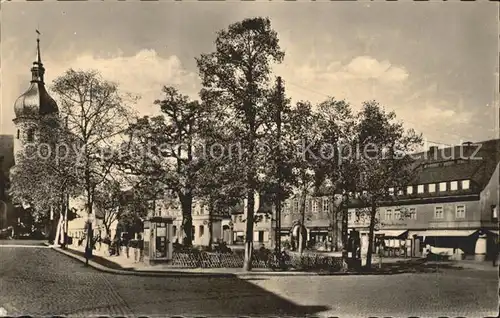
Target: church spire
x=37 y=71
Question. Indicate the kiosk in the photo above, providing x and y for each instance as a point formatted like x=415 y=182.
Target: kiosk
x=158 y=245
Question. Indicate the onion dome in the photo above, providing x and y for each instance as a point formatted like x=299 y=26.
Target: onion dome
x=36 y=101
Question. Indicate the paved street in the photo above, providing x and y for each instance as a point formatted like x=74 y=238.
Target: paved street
x=39 y=281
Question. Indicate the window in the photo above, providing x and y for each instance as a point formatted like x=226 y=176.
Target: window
x=413 y=213
x=296 y=206
x=261 y=236
x=31 y=135
x=397 y=214
x=174 y=230
x=388 y=214
x=349 y=216
x=465 y=184
x=454 y=185
x=442 y=186
x=409 y=190
x=286 y=207
x=438 y=212
x=326 y=206
x=420 y=188
x=432 y=187
x=18 y=134
x=314 y=206
x=460 y=211
x=391 y=191
x=494 y=212
x=240 y=218
x=400 y=192
x=202 y=230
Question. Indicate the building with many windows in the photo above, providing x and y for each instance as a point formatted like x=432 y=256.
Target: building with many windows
x=451 y=206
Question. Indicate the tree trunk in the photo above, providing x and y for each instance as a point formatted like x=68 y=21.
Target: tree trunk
x=247 y=263
x=187 y=218
x=302 y=232
x=373 y=213
x=344 y=211
x=210 y=225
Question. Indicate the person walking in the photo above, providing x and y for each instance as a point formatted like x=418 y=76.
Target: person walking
x=140 y=246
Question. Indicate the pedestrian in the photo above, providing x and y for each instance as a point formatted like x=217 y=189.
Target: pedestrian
x=140 y=246
x=381 y=248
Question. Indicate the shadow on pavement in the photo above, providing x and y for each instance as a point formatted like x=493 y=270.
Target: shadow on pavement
x=205 y=296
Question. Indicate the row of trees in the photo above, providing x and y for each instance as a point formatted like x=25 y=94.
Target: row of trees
x=244 y=136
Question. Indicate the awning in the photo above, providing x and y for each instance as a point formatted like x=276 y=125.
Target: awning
x=441 y=233
x=387 y=233
x=493 y=232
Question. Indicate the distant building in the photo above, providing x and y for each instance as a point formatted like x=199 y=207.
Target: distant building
x=452 y=205
x=169 y=206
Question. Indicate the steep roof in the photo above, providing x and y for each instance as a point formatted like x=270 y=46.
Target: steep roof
x=475 y=162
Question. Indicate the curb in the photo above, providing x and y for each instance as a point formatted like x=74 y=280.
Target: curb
x=174 y=273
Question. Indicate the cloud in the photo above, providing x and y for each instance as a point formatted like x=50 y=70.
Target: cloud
x=143 y=74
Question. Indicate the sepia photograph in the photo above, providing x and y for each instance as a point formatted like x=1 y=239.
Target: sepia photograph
x=249 y=158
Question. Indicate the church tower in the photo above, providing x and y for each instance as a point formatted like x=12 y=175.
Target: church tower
x=36 y=113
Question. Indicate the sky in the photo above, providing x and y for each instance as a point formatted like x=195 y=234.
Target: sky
x=434 y=64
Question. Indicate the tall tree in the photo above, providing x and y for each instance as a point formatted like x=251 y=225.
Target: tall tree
x=236 y=75
x=163 y=150
x=384 y=160
x=337 y=166
x=45 y=173
x=303 y=135
x=98 y=115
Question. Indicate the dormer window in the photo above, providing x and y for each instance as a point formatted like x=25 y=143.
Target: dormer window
x=454 y=185
x=442 y=186
x=391 y=191
x=420 y=188
x=432 y=187
x=409 y=190
x=465 y=184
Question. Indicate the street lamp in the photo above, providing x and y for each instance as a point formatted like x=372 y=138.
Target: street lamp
x=88 y=245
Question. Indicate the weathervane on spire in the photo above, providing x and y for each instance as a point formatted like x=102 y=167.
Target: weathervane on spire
x=38 y=56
